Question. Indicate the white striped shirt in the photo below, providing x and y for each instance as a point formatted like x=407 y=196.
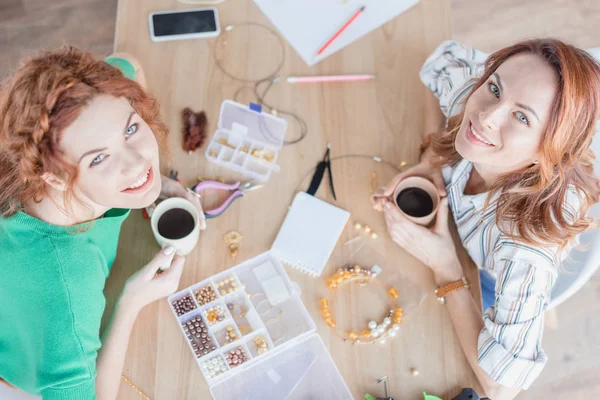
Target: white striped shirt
x=510 y=344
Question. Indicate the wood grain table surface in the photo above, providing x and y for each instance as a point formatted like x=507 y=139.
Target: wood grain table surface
x=385 y=117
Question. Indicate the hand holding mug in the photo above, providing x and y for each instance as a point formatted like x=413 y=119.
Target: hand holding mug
x=424 y=169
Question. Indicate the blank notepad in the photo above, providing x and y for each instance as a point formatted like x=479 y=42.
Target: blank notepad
x=309 y=233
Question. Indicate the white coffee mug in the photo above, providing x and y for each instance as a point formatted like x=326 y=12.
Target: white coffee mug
x=186 y=244
x=428 y=187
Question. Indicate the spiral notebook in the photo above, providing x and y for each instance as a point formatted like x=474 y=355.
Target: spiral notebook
x=309 y=234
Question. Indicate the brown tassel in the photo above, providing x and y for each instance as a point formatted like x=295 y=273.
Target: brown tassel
x=194 y=129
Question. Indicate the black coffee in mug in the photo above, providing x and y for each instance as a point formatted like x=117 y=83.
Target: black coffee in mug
x=415 y=202
x=176 y=223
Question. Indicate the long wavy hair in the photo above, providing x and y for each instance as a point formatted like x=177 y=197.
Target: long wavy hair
x=44 y=96
x=530 y=204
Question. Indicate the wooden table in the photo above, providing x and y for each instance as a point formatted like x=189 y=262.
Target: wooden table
x=385 y=117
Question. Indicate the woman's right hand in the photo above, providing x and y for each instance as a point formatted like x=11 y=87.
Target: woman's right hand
x=146 y=286
x=423 y=169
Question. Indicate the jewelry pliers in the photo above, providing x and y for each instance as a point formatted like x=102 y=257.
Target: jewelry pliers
x=238 y=189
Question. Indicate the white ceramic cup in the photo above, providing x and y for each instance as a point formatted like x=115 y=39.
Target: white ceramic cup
x=427 y=186
x=186 y=244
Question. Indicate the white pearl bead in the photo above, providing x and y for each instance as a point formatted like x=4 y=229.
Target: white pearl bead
x=387 y=321
x=396 y=326
x=374 y=333
x=382 y=341
x=372 y=325
x=392 y=333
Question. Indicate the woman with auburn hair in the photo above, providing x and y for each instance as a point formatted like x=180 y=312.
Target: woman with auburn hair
x=515 y=167
x=79 y=147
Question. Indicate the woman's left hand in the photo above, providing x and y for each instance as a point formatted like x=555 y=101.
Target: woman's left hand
x=172 y=188
x=434 y=247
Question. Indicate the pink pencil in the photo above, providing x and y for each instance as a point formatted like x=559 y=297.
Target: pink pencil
x=342 y=29
x=329 y=78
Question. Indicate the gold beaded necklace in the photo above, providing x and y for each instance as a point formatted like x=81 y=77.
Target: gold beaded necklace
x=135 y=387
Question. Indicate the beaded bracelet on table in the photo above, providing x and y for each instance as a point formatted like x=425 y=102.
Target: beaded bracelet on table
x=376 y=332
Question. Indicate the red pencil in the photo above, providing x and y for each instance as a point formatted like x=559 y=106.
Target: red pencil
x=342 y=29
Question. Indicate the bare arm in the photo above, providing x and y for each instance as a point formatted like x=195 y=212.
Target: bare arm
x=467 y=322
x=111 y=357
x=142 y=288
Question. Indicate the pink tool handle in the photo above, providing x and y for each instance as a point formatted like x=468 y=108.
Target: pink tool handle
x=216 y=185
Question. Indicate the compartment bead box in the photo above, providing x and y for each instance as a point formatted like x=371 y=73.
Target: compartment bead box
x=208 y=309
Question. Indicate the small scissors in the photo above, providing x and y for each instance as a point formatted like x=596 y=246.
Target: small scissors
x=238 y=189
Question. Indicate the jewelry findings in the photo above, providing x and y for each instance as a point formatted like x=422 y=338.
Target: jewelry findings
x=236 y=357
x=214 y=367
x=261 y=344
x=233 y=238
x=230 y=335
x=366 y=229
x=205 y=295
x=227 y=285
x=214 y=315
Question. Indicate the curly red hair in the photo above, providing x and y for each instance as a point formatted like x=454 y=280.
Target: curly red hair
x=44 y=96
x=531 y=200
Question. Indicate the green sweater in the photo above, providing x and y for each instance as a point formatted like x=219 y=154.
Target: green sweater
x=51 y=303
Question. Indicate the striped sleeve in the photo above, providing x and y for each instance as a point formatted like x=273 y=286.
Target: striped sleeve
x=510 y=344
x=450 y=73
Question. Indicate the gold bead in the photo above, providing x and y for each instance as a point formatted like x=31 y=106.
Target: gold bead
x=330 y=322
x=365 y=333
x=393 y=292
x=269 y=156
x=357 y=226
x=367 y=229
x=326 y=313
x=373 y=235
x=324 y=303
x=353 y=336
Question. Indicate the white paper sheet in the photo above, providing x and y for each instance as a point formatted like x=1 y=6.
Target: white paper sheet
x=308 y=24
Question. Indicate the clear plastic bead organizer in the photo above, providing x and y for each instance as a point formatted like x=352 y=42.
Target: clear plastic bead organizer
x=247 y=140
x=265 y=342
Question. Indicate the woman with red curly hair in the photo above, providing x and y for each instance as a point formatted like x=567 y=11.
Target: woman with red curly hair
x=515 y=167
x=79 y=147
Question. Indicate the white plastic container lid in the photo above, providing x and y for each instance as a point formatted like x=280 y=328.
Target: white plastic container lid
x=297 y=364
x=300 y=372
x=251 y=121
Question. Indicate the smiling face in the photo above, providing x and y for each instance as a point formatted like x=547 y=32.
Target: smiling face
x=504 y=118
x=116 y=154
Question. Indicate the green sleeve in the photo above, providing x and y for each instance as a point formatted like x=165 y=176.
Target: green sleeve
x=123 y=65
x=82 y=391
